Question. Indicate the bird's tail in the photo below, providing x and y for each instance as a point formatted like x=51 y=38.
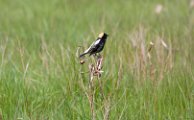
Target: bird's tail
x=82 y=55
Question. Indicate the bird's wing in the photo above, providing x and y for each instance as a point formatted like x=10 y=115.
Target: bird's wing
x=93 y=45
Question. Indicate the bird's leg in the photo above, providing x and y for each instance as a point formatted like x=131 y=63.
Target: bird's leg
x=99 y=56
x=94 y=55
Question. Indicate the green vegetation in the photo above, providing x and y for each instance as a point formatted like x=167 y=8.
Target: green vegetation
x=40 y=74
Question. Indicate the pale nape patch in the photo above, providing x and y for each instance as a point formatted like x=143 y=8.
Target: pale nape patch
x=101 y=35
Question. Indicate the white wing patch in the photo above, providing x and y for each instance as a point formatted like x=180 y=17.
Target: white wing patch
x=97 y=42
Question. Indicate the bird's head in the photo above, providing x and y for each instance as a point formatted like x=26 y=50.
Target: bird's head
x=102 y=35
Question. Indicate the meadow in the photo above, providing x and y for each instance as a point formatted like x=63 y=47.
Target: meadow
x=148 y=60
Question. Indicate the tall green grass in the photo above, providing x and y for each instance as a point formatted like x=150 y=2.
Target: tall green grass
x=40 y=73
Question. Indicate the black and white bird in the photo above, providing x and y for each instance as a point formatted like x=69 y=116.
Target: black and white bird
x=97 y=46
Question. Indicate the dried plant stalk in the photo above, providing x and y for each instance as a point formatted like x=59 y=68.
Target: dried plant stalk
x=95 y=70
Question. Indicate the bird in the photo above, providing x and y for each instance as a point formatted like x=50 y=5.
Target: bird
x=97 y=46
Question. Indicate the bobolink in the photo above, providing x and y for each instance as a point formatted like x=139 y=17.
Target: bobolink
x=97 y=46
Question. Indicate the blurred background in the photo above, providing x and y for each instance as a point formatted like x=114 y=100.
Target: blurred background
x=148 y=60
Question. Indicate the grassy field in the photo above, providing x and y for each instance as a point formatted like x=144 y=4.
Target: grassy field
x=40 y=75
